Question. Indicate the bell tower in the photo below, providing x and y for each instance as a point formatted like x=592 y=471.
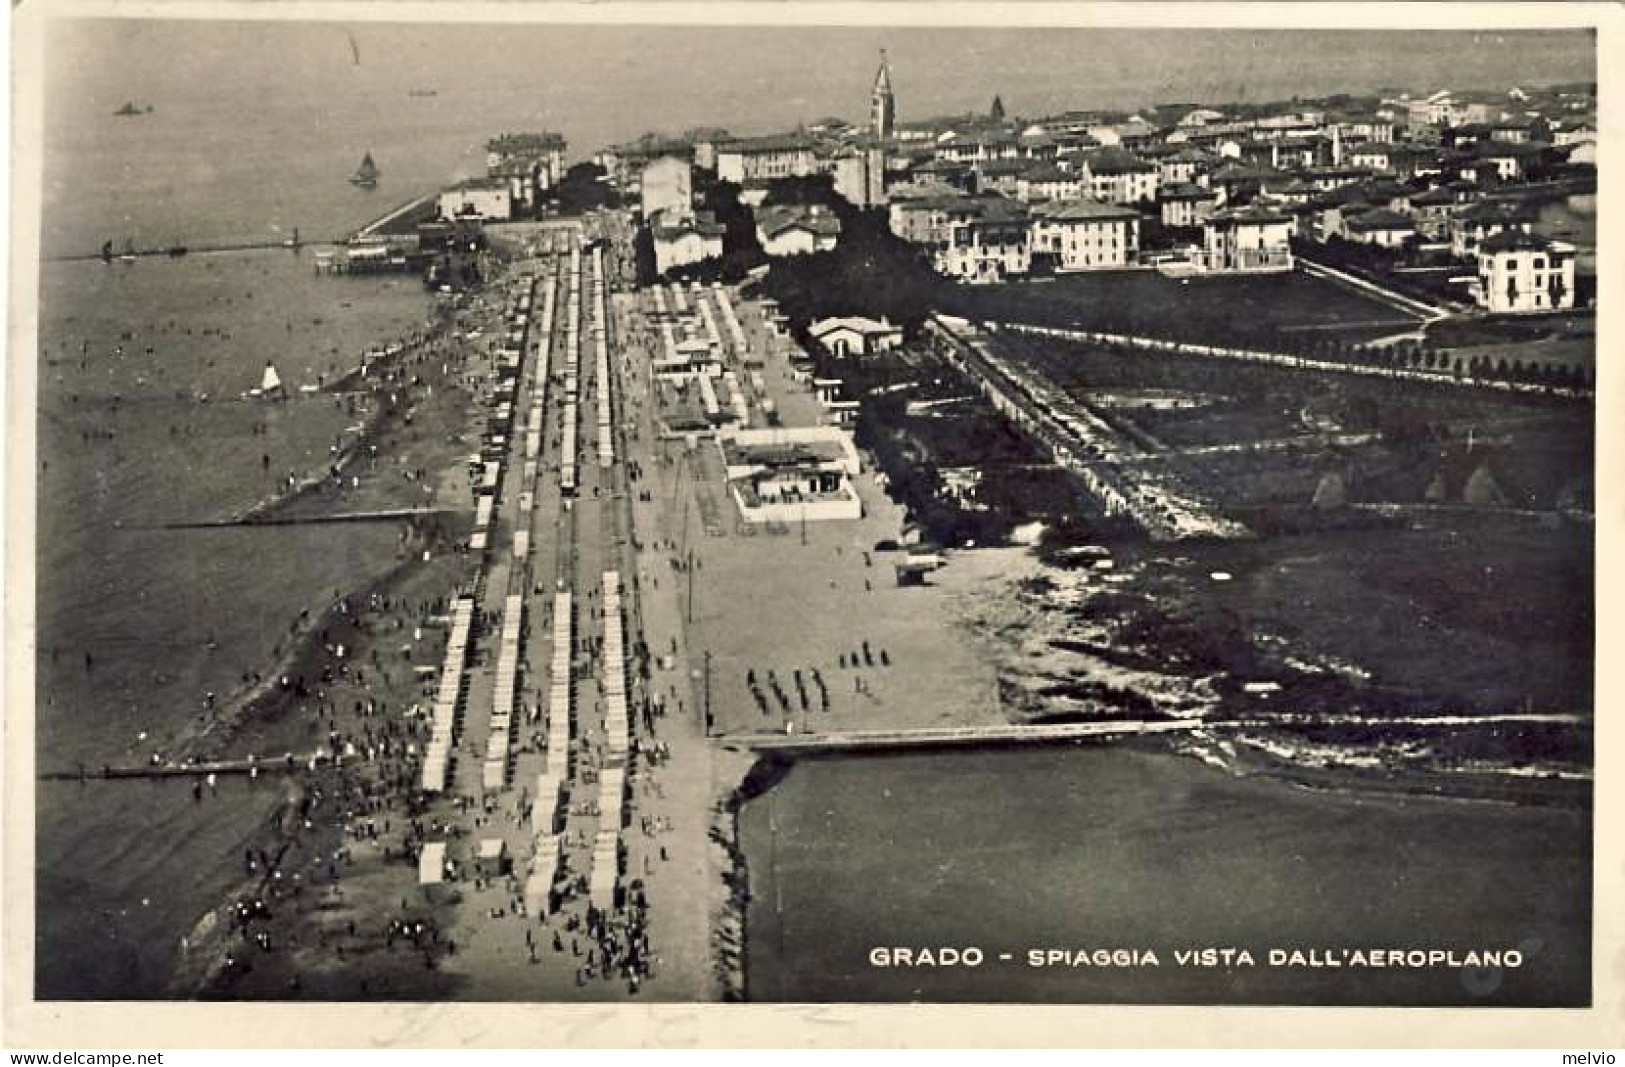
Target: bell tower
x=882 y=104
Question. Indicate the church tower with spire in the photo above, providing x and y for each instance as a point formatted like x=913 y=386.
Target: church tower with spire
x=882 y=105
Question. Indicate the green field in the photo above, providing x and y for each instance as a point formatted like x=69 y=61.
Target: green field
x=1289 y=312
x=1443 y=598
x=1540 y=449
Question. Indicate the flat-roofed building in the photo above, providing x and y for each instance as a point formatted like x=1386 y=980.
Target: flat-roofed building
x=486 y=199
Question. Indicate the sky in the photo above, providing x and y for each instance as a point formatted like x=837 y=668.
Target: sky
x=605 y=83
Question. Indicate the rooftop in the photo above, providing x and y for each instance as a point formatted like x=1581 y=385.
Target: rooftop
x=522 y=143
x=1115 y=161
x=1518 y=241
x=1049 y=173
x=1380 y=219
x=1497 y=211
x=780 y=455
x=1083 y=211
x=704 y=224
x=1252 y=214
x=1433 y=197
x=777 y=142
x=1184 y=191
x=997 y=167
x=775 y=219
x=855 y=323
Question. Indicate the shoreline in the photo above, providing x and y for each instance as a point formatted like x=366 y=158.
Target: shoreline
x=265 y=705
x=259 y=700
x=950 y=650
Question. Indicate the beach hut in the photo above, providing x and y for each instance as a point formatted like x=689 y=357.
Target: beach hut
x=492 y=858
x=432 y=864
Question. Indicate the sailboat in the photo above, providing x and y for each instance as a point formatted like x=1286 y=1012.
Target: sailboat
x=270 y=385
x=366 y=175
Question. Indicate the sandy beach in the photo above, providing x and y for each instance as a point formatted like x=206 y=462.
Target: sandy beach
x=325 y=899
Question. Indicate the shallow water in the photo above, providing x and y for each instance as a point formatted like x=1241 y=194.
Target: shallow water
x=166 y=615
x=1110 y=847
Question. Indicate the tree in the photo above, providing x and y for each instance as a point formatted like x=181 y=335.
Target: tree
x=643 y=255
x=584 y=188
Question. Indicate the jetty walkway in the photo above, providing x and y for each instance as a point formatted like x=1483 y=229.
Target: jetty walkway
x=377 y=515
x=249 y=765
x=952 y=736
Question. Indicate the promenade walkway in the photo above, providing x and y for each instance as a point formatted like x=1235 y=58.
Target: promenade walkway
x=951 y=736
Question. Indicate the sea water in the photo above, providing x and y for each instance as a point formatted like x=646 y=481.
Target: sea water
x=254 y=129
x=1148 y=856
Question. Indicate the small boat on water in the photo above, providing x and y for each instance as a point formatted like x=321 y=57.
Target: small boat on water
x=270 y=385
x=130 y=109
x=128 y=255
x=366 y=175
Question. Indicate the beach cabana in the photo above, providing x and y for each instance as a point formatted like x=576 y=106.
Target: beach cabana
x=432 y=864
x=491 y=860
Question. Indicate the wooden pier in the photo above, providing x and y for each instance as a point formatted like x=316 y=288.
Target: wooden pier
x=183 y=251
x=379 y=515
x=249 y=765
x=951 y=736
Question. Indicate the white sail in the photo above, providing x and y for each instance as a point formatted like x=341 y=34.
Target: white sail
x=270 y=383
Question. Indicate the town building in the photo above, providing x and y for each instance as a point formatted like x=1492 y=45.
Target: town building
x=1473 y=224
x=1185 y=206
x=919 y=214
x=667 y=185
x=1521 y=274
x=1235 y=183
x=531 y=164
x=1048 y=182
x=854 y=335
x=1183 y=166
x=793 y=229
x=623 y=163
x=705 y=140
x=767 y=158
x=1365 y=128
x=1116 y=176
x=1431 y=211
x=987 y=241
x=979 y=145
x=860 y=175
x=1380 y=227
x=680 y=241
x=1005 y=176
x=792 y=476
x=486 y=199
x=1247 y=239
x=1074 y=235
